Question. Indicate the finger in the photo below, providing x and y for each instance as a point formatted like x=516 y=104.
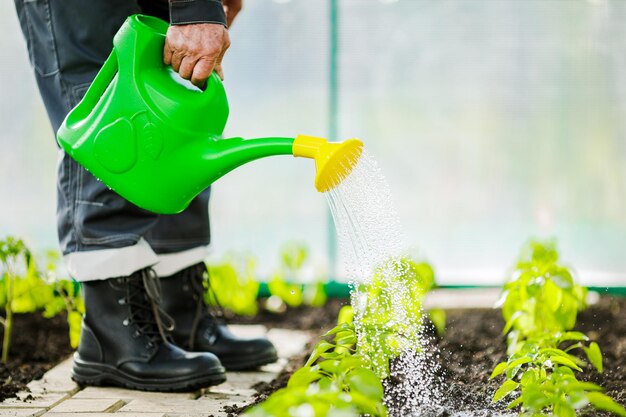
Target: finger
x=167 y=53
x=220 y=71
x=202 y=70
x=177 y=58
x=186 y=67
x=218 y=64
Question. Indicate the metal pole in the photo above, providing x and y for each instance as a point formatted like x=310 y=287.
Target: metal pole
x=333 y=123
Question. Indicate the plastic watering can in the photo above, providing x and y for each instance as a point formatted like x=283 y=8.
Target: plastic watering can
x=156 y=139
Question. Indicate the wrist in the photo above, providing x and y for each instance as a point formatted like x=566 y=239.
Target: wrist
x=184 y=12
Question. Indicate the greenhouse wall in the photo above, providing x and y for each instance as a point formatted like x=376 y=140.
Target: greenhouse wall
x=505 y=126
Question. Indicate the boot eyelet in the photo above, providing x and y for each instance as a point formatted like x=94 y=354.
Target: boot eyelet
x=136 y=334
x=121 y=301
x=149 y=345
x=125 y=322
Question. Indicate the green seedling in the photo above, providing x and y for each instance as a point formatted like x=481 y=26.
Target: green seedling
x=13 y=252
x=542 y=297
x=25 y=289
x=232 y=284
x=540 y=306
x=66 y=296
x=336 y=380
x=286 y=285
x=383 y=336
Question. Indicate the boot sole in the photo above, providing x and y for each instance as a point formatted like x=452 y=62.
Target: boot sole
x=249 y=363
x=98 y=374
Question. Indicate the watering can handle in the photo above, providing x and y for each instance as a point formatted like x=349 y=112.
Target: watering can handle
x=139 y=46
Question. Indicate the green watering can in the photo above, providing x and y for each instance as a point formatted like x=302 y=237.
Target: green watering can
x=156 y=139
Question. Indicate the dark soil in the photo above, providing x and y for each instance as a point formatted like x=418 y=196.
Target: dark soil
x=37 y=344
x=606 y=324
x=473 y=345
x=471 y=348
x=300 y=318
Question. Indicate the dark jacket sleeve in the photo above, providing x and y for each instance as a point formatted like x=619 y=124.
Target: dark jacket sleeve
x=184 y=12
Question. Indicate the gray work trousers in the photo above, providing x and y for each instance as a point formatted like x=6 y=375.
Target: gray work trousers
x=101 y=234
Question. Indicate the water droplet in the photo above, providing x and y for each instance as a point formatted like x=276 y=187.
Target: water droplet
x=372 y=246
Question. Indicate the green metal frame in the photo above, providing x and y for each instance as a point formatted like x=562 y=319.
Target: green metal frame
x=335 y=289
x=333 y=119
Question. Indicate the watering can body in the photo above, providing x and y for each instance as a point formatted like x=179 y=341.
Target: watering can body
x=153 y=139
x=156 y=139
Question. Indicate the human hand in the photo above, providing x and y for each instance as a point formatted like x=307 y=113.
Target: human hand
x=232 y=8
x=195 y=50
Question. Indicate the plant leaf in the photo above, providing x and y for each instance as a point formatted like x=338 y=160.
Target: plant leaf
x=604 y=402
x=365 y=382
x=507 y=387
x=577 y=336
x=74 y=321
x=501 y=367
x=518 y=362
x=511 y=321
x=303 y=377
x=321 y=347
x=438 y=317
x=515 y=402
x=561 y=360
x=595 y=355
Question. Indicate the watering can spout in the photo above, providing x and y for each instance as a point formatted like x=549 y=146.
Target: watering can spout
x=333 y=160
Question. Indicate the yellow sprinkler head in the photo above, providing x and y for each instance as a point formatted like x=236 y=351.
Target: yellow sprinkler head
x=333 y=161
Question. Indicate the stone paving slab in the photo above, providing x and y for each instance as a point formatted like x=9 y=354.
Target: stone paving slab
x=56 y=380
x=30 y=400
x=211 y=405
x=127 y=394
x=24 y=412
x=106 y=414
x=462 y=298
x=89 y=405
x=56 y=395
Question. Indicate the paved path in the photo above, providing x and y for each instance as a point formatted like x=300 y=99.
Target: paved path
x=56 y=395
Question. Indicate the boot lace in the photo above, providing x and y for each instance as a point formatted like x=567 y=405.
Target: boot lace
x=211 y=316
x=143 y=296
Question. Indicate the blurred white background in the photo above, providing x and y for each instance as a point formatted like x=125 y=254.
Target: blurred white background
x=493 y=121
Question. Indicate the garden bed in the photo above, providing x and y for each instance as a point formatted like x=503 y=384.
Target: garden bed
x=37 y=344
x=473 y=344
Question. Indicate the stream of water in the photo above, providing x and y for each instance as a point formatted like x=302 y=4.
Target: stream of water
x=373 y=248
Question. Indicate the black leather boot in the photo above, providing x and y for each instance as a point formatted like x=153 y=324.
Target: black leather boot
x=196 y=329
x=123 y=340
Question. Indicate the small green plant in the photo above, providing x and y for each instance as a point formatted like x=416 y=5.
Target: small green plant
x=336 y=380
x=232 y=284
x=65 y=296
x=392 y=316
x=26 y=289
x=13 y=252
x=541 y=297
x=342 y=376
x=286 y=286
x=540 y=306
